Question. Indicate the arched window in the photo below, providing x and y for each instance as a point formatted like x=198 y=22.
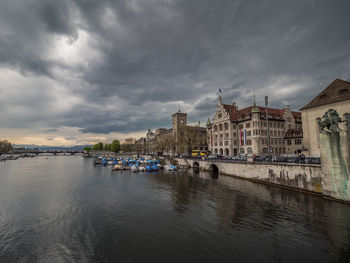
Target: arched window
x=241 y=151
x=227 y=152
x=265 y=150
x=216 y=151
x=220 y=127
x=249 y=151
x=221 y=152
x=215 y=128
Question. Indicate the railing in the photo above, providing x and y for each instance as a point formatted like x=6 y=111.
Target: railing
x=258 y=159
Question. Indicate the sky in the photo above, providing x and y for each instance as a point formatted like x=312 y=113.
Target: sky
x=82 y=71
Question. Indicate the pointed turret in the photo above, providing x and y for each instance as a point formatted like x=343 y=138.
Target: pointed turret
x=208 y=122
x=255 y=108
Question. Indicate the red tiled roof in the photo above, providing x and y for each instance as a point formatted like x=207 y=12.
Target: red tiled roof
x=338 y=90
x=236 y=115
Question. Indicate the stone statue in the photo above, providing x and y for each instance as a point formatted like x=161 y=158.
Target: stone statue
x=330 y=120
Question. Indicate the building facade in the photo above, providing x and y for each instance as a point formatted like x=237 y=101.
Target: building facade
x=236 y=131
x=336 y=96
x=180 y=139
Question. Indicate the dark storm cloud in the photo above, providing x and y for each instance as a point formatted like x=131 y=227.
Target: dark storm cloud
x=172 y=51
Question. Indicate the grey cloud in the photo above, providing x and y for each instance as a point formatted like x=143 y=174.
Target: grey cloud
x=157 y=52
x=51 y=130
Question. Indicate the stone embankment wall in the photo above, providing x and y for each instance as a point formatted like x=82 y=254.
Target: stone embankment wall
x=299 y=176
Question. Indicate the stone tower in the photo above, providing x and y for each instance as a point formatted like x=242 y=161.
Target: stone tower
x=179 y=128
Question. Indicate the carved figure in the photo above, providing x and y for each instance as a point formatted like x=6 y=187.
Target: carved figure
x=330 y=120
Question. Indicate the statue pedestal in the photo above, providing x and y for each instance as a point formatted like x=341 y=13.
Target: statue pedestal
x=334 y=148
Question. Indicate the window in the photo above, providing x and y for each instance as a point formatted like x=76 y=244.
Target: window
x=220 y=115
x=241 y=126
x=234 y=134
x=234 y=126
x=343 y=91
x=241 y=150
x=215 y=136
x=215 y=128
x=249 y=142
x=249 y=151
x=215 y=143
x=226 y=135
x=221 y=136
x=248 y=133
x=220 y=143
x=226 y=126
x=247 y=125
x=234 y=142
x=220 y=127
x=226 y=142
x=289 y=126
x=289 y=119
x=289 y=142
x=297 y=141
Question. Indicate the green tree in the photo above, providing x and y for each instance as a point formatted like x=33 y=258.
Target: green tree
x=5 y=146
x=98 y=146
x=107 y=147
x=87 y=149
x=115 y=147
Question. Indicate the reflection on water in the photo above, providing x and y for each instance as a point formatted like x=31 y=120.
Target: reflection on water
x=64 y=209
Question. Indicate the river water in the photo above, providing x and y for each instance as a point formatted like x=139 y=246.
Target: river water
x=64 y=209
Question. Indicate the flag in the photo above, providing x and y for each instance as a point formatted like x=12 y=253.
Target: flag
x=220 y=91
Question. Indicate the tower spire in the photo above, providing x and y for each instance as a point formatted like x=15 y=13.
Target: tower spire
x=255 y=108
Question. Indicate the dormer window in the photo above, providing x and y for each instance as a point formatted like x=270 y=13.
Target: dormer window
x=323 y=96
x=220 y=115
x=343 y=91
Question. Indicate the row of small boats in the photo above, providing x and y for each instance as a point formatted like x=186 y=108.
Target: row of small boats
x=5 y=157
x=135 y=165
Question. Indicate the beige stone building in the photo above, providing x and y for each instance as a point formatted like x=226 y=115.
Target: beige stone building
x=240 y=132
x=180 y=139
x=336 y=96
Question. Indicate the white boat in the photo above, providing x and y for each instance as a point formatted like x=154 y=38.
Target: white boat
x=110 y=162
x=142 y=169
x=170 y=167
x=117 y=167
x=134 y=168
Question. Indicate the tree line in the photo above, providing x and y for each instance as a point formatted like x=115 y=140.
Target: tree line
x=100 y=146
x=5 y=146
x=127 y=146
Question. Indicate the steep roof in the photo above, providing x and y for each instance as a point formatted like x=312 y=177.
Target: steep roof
x=237 y=115
x=338 y=90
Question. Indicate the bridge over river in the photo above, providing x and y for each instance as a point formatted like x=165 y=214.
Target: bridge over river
x=52 y=152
